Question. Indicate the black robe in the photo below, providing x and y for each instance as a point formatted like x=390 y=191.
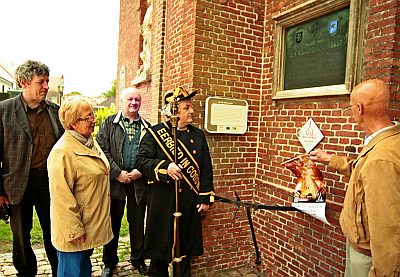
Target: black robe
x=153 y=162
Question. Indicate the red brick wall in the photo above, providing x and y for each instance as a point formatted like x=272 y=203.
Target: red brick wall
x=227 y=63
x=225 y=48
x=129 y=47
x=382 y=48
x=297 y=244
x=129 y=44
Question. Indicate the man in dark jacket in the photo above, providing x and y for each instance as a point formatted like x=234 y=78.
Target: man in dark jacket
x=119 y=138
x=29 y=127
x=193 y=170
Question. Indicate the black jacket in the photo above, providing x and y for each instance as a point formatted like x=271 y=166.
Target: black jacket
x=111 y=140
x=153 y=162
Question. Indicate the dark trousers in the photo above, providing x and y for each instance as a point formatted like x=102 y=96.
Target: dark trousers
x=36 y=194
x=135 y=216
x=159 y=268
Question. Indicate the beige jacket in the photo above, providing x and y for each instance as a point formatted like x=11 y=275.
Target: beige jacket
x=370 y=218
x=80 y=195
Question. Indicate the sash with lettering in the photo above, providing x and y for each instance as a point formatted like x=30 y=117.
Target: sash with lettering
x=191 y=171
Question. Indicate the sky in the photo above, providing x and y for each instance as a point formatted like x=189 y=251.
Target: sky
x=75 y=38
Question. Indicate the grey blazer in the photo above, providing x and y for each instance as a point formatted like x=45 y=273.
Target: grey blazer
x=16 y=146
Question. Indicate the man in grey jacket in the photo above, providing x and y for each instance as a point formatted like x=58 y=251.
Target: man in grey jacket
x=29 y=127
x=119 y=137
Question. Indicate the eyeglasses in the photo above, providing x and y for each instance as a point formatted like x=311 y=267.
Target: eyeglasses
x=89 y=118
x=348 y=108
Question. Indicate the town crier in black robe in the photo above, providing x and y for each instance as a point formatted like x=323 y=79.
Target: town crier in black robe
x=194 y=171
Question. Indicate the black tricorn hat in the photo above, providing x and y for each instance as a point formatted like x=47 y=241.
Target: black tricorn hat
x=178 y=94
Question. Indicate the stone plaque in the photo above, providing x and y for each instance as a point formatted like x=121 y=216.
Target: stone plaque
x=315 y=51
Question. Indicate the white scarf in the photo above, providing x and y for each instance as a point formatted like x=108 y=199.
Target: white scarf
x=88 y=142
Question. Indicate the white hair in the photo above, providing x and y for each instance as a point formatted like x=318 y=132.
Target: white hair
x=124 y=92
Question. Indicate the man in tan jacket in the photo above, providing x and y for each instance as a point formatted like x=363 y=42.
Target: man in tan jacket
x=370 y=217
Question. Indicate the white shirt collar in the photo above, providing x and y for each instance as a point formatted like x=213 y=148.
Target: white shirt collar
x=369 y=138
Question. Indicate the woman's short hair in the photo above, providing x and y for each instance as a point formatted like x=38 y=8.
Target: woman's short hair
x=70 y=110
x=28 y=69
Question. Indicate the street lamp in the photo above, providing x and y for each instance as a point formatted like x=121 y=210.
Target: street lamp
x=60 y=91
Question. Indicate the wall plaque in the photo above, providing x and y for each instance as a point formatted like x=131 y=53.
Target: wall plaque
x=223 y=115
x=309 y=135
x=318 y=49
x=315 y=53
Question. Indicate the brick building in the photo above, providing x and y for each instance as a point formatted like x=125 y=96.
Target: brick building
x=236 y=49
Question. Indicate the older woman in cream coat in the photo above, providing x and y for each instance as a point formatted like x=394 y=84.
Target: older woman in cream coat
x=79 y=190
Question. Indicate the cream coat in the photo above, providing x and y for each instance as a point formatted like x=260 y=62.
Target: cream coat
x=80 y=195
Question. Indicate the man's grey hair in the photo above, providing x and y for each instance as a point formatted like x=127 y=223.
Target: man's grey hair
x=28 y=69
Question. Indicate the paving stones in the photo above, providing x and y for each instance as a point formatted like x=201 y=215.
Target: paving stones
x=124 y=267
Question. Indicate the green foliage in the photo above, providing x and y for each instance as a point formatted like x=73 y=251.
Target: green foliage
x=102 y=114
x=6 y=234
x=124 y=232
x=4 y=95
x=123 y=254
x=112 y=92
x=124 y=227
x=36 y=233
x=74 y=93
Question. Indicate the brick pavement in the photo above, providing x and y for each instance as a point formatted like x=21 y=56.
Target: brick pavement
x=124 y=267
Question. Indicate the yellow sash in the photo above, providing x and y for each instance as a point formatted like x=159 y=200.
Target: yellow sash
x=191 y=170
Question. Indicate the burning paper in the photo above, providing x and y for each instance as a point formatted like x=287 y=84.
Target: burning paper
x=310 y=192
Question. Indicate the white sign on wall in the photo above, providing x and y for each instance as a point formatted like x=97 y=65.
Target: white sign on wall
x=223 y=115
x=310 y=135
